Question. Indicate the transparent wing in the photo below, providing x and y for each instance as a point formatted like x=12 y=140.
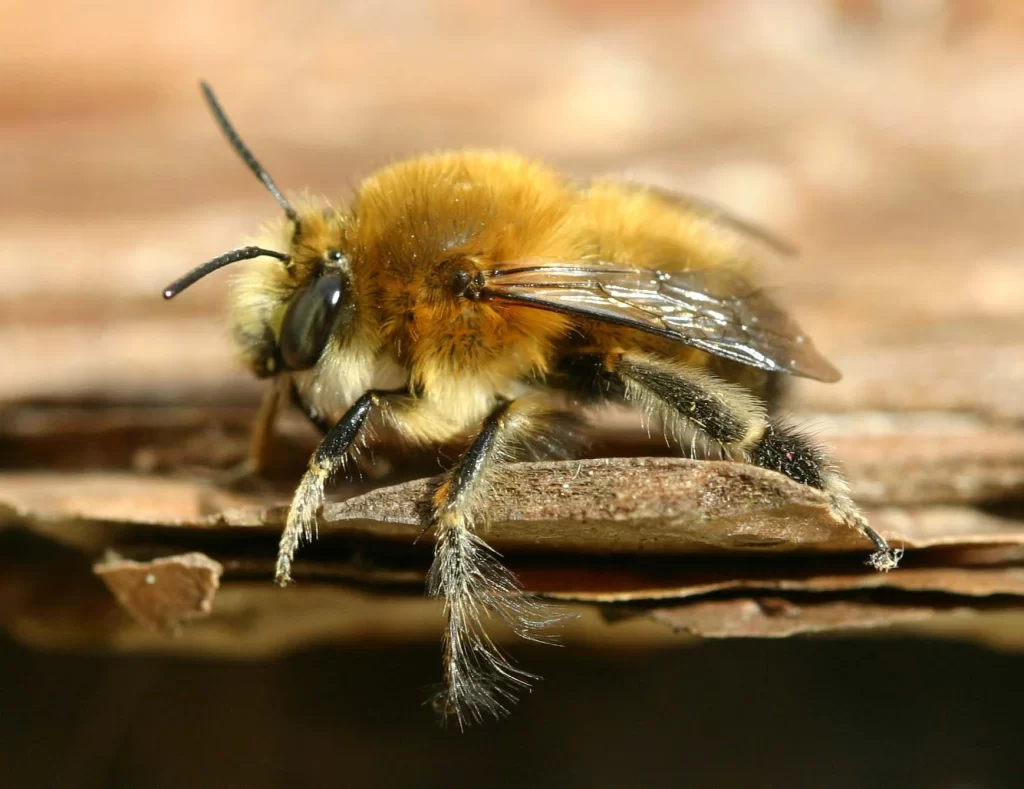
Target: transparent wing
x=716 y=311
x=719 y=219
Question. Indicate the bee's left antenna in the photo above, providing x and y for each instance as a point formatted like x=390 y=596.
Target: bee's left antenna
x=243 y=150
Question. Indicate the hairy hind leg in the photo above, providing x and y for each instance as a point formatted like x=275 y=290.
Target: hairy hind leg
x=728 y=415
x=468 y=576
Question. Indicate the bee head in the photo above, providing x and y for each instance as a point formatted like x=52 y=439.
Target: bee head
x=288 y=304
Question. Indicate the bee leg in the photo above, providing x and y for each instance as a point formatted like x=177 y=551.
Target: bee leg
x=784 y=449
x=733 y=419
x=258 y=456
x=263 y=430
x=468 y=576
x=257 y=460
x=329 y=458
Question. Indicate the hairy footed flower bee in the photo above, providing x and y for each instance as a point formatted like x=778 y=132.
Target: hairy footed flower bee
x=480 y=294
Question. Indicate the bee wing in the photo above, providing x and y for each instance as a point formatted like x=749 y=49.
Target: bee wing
x=714 y=310
x=719 y=219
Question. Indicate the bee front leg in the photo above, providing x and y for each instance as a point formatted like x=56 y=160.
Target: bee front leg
x=468 y=576
x=329 y=458
x=262 y=433
x=257 y=457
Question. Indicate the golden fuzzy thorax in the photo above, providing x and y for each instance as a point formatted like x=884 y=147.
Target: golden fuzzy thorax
x=409 y=227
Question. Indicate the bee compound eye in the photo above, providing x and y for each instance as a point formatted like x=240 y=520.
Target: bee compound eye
x=309 y=321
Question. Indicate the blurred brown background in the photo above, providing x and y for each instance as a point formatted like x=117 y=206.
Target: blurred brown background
x=885 y=138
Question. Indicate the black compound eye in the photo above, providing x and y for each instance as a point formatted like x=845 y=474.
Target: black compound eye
x=309 y=320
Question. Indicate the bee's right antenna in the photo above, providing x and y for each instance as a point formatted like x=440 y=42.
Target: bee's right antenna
x=243 y=150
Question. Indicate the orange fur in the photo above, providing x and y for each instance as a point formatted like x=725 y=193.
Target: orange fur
x=413 y=223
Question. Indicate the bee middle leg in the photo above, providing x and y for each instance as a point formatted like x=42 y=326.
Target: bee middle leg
x=467 y=574
x=733 y=419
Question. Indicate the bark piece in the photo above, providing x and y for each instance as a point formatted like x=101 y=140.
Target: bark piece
x=776 y=617
x=163 y=594
x=949 y=573
x=618 y=505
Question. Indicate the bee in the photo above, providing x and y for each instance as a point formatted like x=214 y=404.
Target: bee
x=479 y=294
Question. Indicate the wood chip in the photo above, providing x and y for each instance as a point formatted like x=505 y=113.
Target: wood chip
x=165 y=593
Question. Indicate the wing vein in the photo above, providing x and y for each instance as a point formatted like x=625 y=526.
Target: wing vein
x=715 y=310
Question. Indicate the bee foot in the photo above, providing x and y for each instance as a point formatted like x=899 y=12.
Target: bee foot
x=886 y=559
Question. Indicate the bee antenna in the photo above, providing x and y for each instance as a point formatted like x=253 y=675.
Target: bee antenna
x=235 y=255
x=243 y=150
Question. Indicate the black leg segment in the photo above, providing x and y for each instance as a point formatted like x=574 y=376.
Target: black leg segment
x=782 y=449
x=690 y=399
x=328 y=459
